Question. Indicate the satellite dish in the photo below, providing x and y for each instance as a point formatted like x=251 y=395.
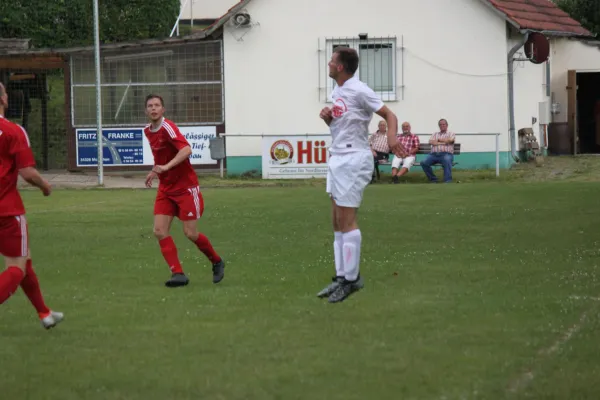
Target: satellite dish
x=537 y=48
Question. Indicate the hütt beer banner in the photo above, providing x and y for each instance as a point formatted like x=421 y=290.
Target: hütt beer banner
x=295 y=157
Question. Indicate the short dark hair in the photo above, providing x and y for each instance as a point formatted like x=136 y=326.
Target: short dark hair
x=155 y=96
x=443 y=119
x=348 y=57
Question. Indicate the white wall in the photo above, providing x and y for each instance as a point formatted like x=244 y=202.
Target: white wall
x=566 y=55
x=200 y=9
x=529 y=91
x=272 y=75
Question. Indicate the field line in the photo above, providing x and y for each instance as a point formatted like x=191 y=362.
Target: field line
x=527 y=376
x=584 y=298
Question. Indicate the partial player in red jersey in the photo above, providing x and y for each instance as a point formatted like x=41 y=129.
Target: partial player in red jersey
x=16 y=158
x=178 y=192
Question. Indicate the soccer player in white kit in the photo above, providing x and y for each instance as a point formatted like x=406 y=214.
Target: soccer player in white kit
x=350 y=166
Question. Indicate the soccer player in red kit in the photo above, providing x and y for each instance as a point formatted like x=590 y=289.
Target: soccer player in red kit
x=178 y=192
x=16 y=158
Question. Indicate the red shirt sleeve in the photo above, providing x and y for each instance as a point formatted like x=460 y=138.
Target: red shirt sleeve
x=175 y=136
x=21 y=149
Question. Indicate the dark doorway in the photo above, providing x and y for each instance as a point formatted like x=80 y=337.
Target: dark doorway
x=588 y=112
x=36 y=101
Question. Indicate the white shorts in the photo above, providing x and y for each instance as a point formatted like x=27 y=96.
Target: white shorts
x=406 y=162
x=348 y=175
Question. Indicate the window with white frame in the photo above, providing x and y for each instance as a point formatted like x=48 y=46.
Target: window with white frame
x=377 y=64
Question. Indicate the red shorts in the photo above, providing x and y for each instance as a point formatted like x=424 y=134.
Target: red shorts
x=186 y=206
x=14 y=236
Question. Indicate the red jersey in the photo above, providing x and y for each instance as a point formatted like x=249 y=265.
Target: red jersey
x=165 y=144
x=15 y=153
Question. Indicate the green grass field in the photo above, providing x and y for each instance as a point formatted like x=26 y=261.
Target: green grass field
x=473 y=291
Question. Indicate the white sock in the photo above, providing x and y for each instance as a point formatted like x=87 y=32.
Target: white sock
x=338 y=244
x=352 y=241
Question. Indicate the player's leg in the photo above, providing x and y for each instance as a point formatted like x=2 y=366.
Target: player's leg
x=347 y=204
x=19 y=270
x=191 y=208
x=335 y=164
x=164 y=211
x=31 y=287
x=11 y=277
x=14 y=248
x=351 y=248
x=338 y=244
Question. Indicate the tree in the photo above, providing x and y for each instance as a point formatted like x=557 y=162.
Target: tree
x=65 y=23
x=587 y=12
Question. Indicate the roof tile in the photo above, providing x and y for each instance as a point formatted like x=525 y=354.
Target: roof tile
x=539 y=15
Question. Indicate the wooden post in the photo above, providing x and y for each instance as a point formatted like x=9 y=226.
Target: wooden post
x=572 y=108
x=44 y=97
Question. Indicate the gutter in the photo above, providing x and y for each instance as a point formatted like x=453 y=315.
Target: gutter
x=558 y=33
x=511 y=95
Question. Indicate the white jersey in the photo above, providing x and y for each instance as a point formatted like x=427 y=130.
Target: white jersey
x=353 y=106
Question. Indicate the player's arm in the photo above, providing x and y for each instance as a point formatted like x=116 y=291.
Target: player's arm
x=326 y=115
x=25 y=163
x=183 y=154
x=392 y=123
x=181 y=144
x=372 y=102
x=33 y=177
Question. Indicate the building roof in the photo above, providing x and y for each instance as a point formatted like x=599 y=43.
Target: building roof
x=535 y=15
x=225 y=17
x=538 y=15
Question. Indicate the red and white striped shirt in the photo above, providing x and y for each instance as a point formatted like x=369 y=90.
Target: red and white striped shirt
x=443 y=148
x=15 y=154
x=379 y=142
x=165 y=144
x=410 y=142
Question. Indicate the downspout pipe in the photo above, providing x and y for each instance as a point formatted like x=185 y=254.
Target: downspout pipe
x=511 y=96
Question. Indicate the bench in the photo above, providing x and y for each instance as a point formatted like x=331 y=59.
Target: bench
x=424 y=148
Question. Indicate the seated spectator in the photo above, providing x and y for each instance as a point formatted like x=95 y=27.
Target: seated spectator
x=442 y=152
x=379 y=145
x=411 y=146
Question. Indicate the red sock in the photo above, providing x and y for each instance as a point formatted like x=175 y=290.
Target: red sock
x=169 y=252
x=9 y=282
x=205 y=247
x=31 y=287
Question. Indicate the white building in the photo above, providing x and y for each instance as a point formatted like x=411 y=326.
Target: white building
x=575 y=81
x=429 y=59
